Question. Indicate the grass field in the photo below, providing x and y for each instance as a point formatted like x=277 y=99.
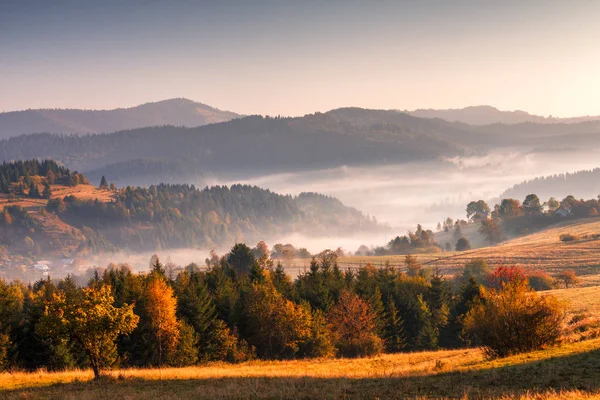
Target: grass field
x=83 y=192
x=569 y=371
x=542 y=250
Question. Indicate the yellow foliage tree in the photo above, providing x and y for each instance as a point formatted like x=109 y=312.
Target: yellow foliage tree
x=514 y=319
x=160 y=307
x=90 y=319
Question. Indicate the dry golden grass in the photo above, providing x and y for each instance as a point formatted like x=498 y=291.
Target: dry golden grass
x=542 y=250
x=83 y=192
x=569 y=371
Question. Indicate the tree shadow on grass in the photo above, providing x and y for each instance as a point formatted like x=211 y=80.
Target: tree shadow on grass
x=577 y=372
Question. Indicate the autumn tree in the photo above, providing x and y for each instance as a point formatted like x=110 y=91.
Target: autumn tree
x=514 y=319
x=568 y=278
x=276 y=327
x=509 y=208
x=90 y=319
x=160 y=309
x=11 y=306
x=353 y=326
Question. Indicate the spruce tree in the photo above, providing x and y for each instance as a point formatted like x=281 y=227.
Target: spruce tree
x=103 y=183
x=47 y=193
x=33 y=191
x=393 y=331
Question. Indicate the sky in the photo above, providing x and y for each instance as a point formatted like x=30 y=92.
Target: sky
x=296 y=57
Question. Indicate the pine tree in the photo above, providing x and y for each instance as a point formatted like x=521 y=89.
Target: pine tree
x=33 y=191
x=47 y=193
x=393 y=332
x=103 y=183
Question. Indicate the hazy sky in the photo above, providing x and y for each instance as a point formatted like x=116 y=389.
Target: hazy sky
x=295 y=57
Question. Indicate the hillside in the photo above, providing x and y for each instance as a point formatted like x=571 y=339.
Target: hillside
x=487 y=115
x=567 y=372
x=179 y=112
x=581 y=184
x=245 y=145
x=82 y=218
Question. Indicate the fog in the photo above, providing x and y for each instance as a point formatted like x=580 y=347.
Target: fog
x=399 y=195
x=425 y=192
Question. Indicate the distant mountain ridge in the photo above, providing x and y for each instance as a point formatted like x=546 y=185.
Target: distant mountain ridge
x=178 y=112
x=488 y=115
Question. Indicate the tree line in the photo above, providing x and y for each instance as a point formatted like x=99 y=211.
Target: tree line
x=243 y=307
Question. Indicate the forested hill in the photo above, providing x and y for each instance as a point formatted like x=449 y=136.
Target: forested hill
x=179 y=112
x=174 y=216
x=487 y=115
x=581 y=184
x=251 y=143
x=264 y=145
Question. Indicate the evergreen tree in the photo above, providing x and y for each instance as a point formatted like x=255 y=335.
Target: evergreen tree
x=103 y=183
x=393 y=331
x=47 y=193
x=34 y=191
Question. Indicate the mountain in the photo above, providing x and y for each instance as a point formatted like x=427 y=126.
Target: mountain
x=487 y=115
x=253 y=145
x=178 y=112
x=249 y=144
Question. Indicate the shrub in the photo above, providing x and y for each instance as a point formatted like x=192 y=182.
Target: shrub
x=463 y=244
x=540 y=280
x=568 y=237
x=514 y=319
x=502 y=276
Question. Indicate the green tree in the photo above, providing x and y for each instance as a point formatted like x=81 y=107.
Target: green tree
x=532 y=205
x=34 y=191
x=477 y=210
x=91 y=320
x=491 y=229
x=552 y=204
x=241 y=259
x=393 y=331
x=103 y=183
x=413 y=267
x=47 y=193
x=463 y=244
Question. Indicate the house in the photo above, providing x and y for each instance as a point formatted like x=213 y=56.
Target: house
x=42 y=267
x=562 y=212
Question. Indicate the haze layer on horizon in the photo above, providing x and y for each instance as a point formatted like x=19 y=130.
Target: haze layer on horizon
x=292 y=57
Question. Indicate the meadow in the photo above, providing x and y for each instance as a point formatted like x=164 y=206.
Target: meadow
x=568 y=371
x=541 y=250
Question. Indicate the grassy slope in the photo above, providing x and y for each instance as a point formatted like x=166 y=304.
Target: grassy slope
x=542 y=250
x=84 y=192
x=570 y=370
